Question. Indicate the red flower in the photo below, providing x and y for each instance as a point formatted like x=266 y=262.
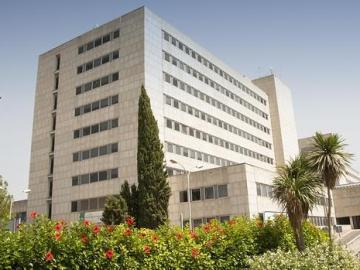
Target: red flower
x=155 y=238
x=195 y=252
x=207 y=228
x=58 y=227
x=130 y=221
x=142 y=235
x=109 y=254
x=147 y=249
x=179 y=236
x=110 y=228
x=49 y=256
x=57 y=235
x=232 y=222
x=96 y=229
x=127 y=232
x=33 y=214
x=86 y=223
x=193 y=235
x=84 y=238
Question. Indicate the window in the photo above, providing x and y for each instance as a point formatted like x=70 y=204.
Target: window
x=84 y=205
x=195 y=194
x=114 y=147
x=114 y=123
x=97 y=62
x=93 y=203
x=76 y=133
x=95 y=105
x=98 y=42
x=96 y=83
x=114 y=99
x=114 y=173
x=88 y=66
x=76 y=157
x=103 y=150
x=115 y=76
x=95 y=128
x=103 y=126
x=85 y=155
x=86 y=131
x=94 y=152
x=84 y=179
x=75 y=180
x=87 y=108
x=102 y=175
x=106 y=38
x=209 y=193
x=116 y=34
x=74 y=206
x=222 y=191
x=79 y=69
x=115 y=55
x=183 y=196
x=94 y=177
x=105 y=59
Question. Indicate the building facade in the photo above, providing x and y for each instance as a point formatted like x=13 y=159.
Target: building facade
x=84 y=140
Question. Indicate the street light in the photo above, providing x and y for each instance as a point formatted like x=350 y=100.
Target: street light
x=188 y=187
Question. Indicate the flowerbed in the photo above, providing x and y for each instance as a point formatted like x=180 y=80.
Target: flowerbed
x=46 y=244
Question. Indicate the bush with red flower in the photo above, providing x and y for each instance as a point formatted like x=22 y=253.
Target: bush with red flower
x=46 y=244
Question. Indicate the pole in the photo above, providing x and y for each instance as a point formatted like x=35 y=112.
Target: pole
x=189 y=199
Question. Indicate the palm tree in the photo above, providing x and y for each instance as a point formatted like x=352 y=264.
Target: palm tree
x=297 y=188
x=330 y=161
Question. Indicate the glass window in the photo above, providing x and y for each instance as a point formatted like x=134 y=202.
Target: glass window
x=114 y=123
x=116 y=34
x=78 y=90
x=84 y=179
x=95 y=128
x=114 y=173
x=79 y=69
x=93 y=203
x=96 y=83
x=104 y=102
x=102 y=175
x=80 y=49
x=105 y=59
x=87 y=108
x=106 y=38
x=76 y=156
x=114 y=147
x=209 y=193
x=258 y=189
x=74 y=206
x=176 y=126
x=197 y=222
x=84 y=205
x=94 y=152
x=103 y=150
x=115 y=76
x=176 y=103
x=97 y=42
x=75 y=180
x=85 y=154
x=86 y=131
x=95 y=105
x=195 y=194
x=94 y=177
x=224 y=218
x=168 y=100
x=183 y=196
x=168 y=123
x=102 y=202
x=115 y=55
x=76 y=133
x=104 y=80
x=222 y=191
x=103 y=126
x=114 y=99
x=89 y=66
x=97 y=62
x=90 y=45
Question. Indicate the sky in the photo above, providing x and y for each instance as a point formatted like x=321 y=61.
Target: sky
x=312 y=46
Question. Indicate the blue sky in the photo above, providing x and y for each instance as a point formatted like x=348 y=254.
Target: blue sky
x=313 y=46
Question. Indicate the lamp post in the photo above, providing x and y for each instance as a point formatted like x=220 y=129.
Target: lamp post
x=188 y=187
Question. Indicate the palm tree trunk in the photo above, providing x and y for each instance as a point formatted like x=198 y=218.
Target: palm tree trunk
x=329 y=216
x=301 y=238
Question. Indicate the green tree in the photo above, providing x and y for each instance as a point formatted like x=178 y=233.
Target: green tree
x=130 y=195
x=153 y=188
x=5 y=203
x=115 y=210
x=331 y=161
x=297 y=188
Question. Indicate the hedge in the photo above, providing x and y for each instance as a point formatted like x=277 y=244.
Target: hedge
x=47 y=244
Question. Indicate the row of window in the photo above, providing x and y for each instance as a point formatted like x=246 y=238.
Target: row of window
x=215 y=121
x=99 y=41
x=215 y=140
x=178 y=63
x=319 y=221
x=215 y=103
x=98 y=61
x=211 y=66
x=95 y=152
x=97 y=83
x=95 y=177
x=99 y=127
x=88 y=204
x=187 y=152
x=96 y=105
x=264 y=190
x=205 y=193
x=196 y=222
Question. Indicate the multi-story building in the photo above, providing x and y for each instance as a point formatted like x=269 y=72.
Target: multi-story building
x=84 y=141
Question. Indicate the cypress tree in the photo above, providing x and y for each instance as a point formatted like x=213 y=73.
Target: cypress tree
x=130 y=195
x=115 y=210
x=153 y=190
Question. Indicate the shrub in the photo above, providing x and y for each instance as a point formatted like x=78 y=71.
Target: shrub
x=317 y=257
x=46 y=244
